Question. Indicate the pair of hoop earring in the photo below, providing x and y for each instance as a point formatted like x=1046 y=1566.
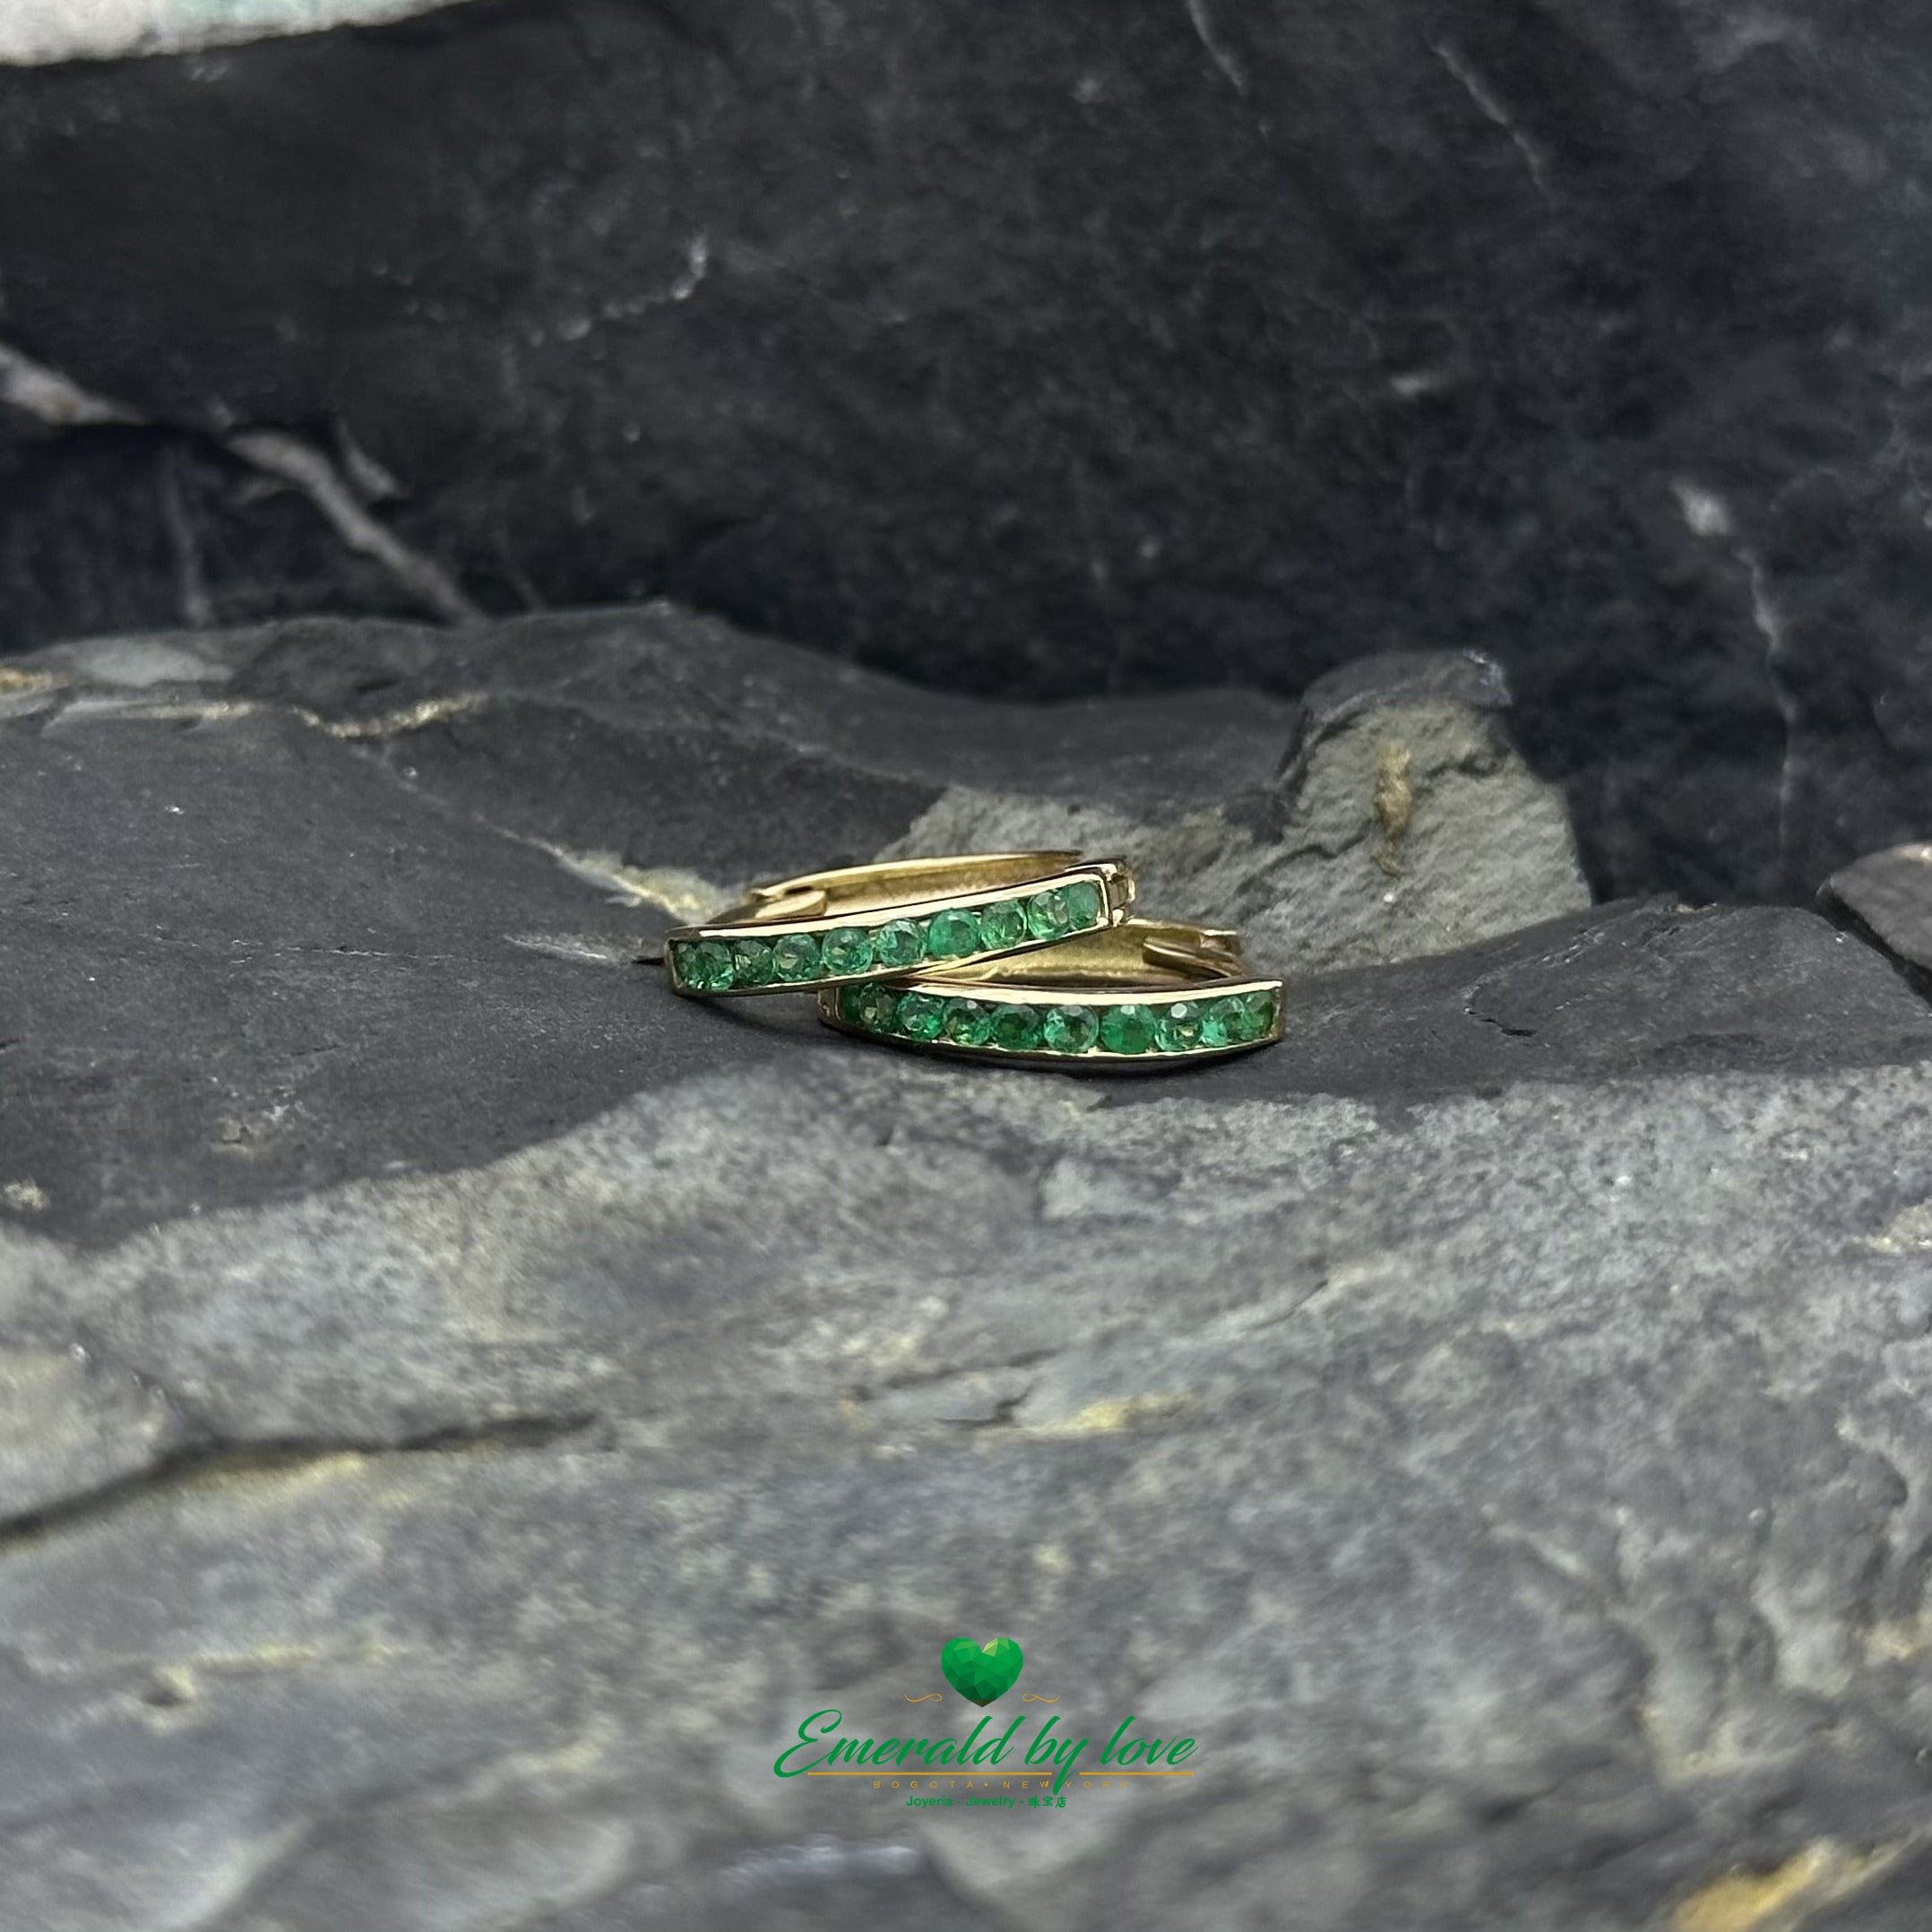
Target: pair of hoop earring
x=1028 y=957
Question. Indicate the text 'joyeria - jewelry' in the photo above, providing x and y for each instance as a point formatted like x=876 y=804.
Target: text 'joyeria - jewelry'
x=1147 y=993
x=864 y=922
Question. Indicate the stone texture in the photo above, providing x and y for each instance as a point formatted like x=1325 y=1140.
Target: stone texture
x=1449 y=1619
x=582 y=771
x=1889 y=896
x=1068 y=349
x=1401 y=821
x=1491 y=1421
x=227 y=939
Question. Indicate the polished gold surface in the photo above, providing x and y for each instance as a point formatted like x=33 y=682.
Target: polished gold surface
x=897 y=885
x=816 y=903
x=1139 y=954
x=1142 y=970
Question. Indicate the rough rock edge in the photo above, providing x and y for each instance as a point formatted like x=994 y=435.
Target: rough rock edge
x=1886 y=900
x=39 y=32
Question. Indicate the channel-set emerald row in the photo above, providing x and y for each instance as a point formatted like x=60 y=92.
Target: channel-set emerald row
x=1128 y=1029
x=892 y=945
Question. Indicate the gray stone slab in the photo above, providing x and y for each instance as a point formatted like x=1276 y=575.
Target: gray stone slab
x=464 y=1408
x=1058 y=350
x=1521 y=1503
x=1889 y=894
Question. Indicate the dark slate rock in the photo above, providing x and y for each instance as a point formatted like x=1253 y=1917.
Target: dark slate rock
x=1623 y=991
x=1050 y=351
x=1338 y=697
x=1893 y=1901
x=697 y=757
x=1517 y=1500
x=662 y=669
x=1888 y=896
x=1401 y=821
x=323 y=899
x=241 y=959
x=464 y=1406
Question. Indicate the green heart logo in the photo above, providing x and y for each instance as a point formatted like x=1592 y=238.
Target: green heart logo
x=980 y=1672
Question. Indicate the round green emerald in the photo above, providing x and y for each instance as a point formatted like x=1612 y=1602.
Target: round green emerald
x=1083 y=898
x=1017 y=1028
x=949 y=936
x=1046 y=916
x=920 y=1016
x=1127 y=1029
x=795 y=956
x=1069 y=1029
x=899 y=942
x=705 y=967
x=751 y=962
x=969 y=1022
x=1178 y=1028
x=848 y=949
x=1003 y=923
x=1249 y=1020
x=878 y=1008
x=1222 y=1024
x=851 y=1003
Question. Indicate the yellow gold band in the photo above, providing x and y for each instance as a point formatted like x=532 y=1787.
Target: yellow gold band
x=868 y=922
x=1145 y=994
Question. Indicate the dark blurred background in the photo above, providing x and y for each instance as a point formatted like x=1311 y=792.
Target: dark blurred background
x=1041 y=351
